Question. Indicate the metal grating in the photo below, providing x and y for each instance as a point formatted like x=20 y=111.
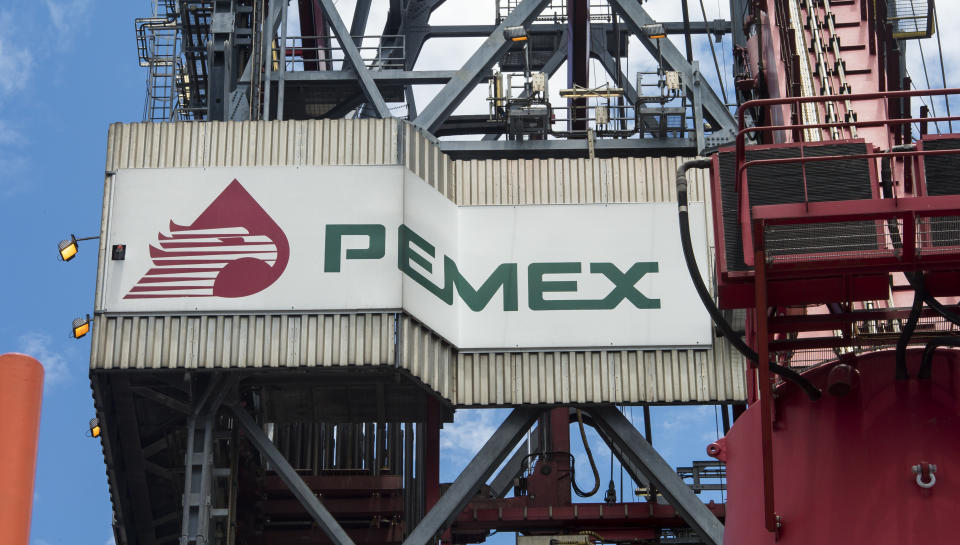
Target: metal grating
x=833 y=240
x=842 y=179
x=910 y=18
x=942 y=177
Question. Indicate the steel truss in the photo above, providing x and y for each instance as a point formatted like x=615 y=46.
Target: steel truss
x=233 y=60
x=232 y=457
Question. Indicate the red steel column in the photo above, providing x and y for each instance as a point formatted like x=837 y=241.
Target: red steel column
x=560 y=439
x=578 y=57
x=21 y=390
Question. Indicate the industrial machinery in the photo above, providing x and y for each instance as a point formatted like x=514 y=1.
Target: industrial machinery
x=303 y=276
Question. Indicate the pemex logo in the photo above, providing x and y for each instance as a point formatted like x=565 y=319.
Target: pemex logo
x=233 y=249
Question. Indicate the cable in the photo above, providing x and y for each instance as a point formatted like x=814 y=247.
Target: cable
x=725 y=329
x=926 y=76
x=593 y=464
x=926 y=364
x=918 y=285
x=716 y=64
x=943 y=73
x=906 y=333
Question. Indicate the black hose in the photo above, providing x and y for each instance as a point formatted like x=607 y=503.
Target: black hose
x=907 y=333
x=916 y=279
x=725 y=328
x=593 y=464
x=927 y=364
x=918 y=285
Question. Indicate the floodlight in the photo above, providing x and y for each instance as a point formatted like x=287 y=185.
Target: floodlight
x=69 y=247
x=81 y=326
x=654 y=31
x=515 y=33
x=95 y=427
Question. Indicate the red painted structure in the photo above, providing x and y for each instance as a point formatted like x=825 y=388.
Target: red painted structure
x=869 y=461
x=843 y=465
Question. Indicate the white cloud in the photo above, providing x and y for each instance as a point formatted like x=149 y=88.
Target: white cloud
x=41 y=542
x=39 y=346
x=67 y=15
x=111 y=541
x=15 y=62
x=470 y=430
x=8 y=135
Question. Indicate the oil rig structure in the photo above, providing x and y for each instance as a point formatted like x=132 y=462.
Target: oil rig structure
x=303 y=274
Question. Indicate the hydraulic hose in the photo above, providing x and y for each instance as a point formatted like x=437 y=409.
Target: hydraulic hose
x=918 y=285
x=593 y=464
x=722 y=324
x=915 y=279
x=926 y=364
x=907 y=333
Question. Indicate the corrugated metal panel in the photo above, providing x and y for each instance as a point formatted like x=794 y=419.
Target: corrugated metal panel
x=503 y=378
x=253 y=143
x=423 y=157
x=244 y=341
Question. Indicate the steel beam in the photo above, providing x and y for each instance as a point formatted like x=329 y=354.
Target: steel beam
x=137 y=494
x=289 y=476
x=615 y=147
x=718 y=26
x=198 y=472
x=418 y=77
x=716 y=111
x=492 y=50
x=598 y=50
x=361 y=12
x=162 y=399
x=475 y=474
x=636 y=453
x=500 y=485
x=352 y=55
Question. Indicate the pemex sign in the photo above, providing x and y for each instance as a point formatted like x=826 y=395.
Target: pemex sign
x=377 y=238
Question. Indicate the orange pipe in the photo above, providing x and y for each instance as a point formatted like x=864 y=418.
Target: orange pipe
x=21 y=390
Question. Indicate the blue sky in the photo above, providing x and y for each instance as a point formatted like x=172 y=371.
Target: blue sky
x=68 y=68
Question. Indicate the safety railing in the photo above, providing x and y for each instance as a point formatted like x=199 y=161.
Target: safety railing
x=871 y=235
x=556 y=11
x=885 y=101
x=303 y=53
x=911 y=18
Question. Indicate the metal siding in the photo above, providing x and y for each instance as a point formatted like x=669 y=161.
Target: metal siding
x=210 y=342
x=602 y=376
x=465 y=379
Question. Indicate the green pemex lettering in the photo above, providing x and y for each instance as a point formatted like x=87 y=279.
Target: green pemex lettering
x=505 y=276
x=376 y=249
x=624 y=286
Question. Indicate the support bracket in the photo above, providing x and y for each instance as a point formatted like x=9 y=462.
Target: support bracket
x=491 y=455
x=636 y=453
x=289 y=476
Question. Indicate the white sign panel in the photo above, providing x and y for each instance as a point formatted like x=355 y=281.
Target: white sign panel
x=341 y=239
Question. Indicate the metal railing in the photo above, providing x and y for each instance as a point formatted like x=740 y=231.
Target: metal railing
x=911 y=18
x=556 y=11
x=325 y=53
x=158 y=50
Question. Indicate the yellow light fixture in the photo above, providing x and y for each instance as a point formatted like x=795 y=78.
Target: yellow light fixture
x=69 y=247
x=95 y=427
x=515 y=33
x=654 y=31
x=81 y=326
